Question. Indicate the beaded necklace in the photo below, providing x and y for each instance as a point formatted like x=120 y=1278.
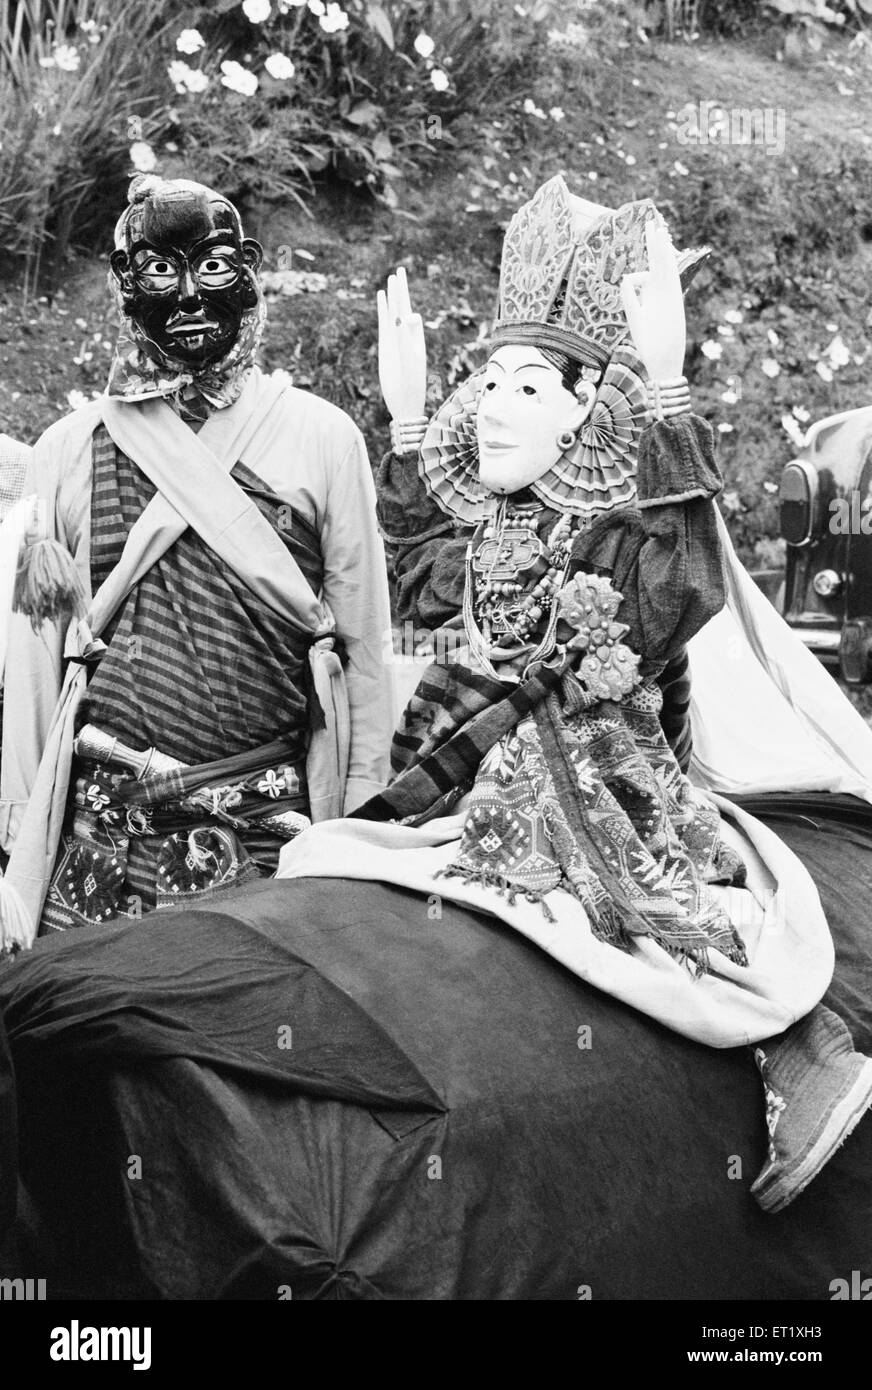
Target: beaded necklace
x=512 y=579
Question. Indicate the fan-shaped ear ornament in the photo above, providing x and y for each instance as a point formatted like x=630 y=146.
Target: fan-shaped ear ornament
x=448 y=457
x=596 y=473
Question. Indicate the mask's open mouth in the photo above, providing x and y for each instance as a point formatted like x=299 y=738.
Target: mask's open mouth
x=192 y=332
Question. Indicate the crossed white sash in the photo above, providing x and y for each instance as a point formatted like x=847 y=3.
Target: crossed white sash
x=192 y=474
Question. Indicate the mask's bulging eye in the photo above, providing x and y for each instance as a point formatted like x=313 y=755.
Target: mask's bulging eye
x=217 y=269
x=529 y=390
x=157 y=273
x=490 y=386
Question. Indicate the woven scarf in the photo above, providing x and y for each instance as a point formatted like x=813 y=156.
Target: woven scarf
x=588 y=800
x=455 y=716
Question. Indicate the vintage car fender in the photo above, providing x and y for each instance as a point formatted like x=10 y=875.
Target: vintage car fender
x=825 y=499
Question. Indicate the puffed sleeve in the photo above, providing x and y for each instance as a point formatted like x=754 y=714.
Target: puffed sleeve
x=664 y=555
x=426 y=547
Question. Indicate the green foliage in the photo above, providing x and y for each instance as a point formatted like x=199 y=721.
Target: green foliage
x=284 y=93
x=73 y=85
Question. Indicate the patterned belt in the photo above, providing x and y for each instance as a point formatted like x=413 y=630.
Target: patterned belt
x=246 y=790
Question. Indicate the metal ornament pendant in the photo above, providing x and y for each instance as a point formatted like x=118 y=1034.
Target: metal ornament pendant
x=513 y=578
x=506 y=564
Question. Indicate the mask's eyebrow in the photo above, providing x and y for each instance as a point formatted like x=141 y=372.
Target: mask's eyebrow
x=494 y=363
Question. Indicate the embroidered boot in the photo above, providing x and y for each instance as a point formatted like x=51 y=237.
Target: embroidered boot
x=817 y=1089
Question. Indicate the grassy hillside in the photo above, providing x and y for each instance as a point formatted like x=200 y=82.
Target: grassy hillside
x=778 y=319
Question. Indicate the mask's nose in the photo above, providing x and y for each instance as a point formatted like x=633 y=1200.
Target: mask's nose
x=189 y=290
x=491 y=410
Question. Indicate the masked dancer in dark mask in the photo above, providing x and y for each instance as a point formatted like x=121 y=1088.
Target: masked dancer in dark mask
x=195 y=664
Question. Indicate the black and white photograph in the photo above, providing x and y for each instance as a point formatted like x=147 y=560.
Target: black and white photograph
x=436 y=658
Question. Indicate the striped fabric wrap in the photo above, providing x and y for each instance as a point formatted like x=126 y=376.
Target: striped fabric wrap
x=201 y=669
x=674 y=682
x=197 y=665
x=454 y=718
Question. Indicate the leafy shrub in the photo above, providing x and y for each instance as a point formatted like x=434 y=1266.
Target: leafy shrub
x=73 y=89
x=271 y=95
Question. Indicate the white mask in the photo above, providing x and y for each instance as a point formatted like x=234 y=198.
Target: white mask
x=523 y=411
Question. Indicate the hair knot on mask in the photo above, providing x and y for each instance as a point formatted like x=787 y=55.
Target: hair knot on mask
x=171 y=211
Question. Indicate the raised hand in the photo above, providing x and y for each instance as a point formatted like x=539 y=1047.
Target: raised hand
x=654 y=306
x=402 y=354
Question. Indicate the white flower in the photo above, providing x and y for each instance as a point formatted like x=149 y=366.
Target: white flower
x=185 y=78
x=317 y=6
x=67 y=57
x=76 y=399
x=142 y=156
x=424 y=45
x=801 y=413
x=557 y=113
x=531 y=109
x=177 y=72
x=729 y=396
x=190 y=41
x=711 y=350
x=769 y=367
x=681 y=168
x=773 y=337
x=838 y=354
x=334 y=19
x=285 y=5
x=257 y=11
x=439 y=80
x=279 y=66
x=734 y=316
x=238 y=79
x=823 y=371
x=724 y=428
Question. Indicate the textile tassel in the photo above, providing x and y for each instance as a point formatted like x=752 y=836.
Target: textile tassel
x=47 y=584
x=200 y=855
x=503 y=886
x=16 y=928
x=606 y=921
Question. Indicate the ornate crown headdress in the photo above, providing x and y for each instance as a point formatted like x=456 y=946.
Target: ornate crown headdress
x=562 y=266
x=560 y=288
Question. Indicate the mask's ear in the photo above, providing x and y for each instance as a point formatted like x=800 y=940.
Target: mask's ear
x=252 y=259
x=119 y=264
x=252 y=254
x=585 y=394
